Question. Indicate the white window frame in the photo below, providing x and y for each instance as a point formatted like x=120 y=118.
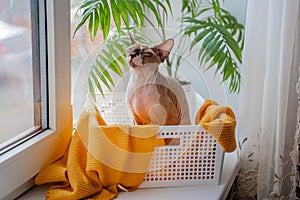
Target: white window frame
x=19 y=165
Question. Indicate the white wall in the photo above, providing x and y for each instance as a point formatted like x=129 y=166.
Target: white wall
x=237 y=8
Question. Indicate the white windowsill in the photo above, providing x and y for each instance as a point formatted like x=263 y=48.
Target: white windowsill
x=230 y=170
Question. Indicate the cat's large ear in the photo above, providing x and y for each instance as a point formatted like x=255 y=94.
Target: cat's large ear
x=131 y=39
x=163 y=49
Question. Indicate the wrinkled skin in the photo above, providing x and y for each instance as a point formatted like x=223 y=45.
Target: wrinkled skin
x=152 y=97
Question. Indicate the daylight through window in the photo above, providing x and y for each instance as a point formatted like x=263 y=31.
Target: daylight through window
x=23 y=89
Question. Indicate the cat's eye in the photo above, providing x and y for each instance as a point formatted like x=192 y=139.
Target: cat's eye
x=137 y=51
x=147 y=54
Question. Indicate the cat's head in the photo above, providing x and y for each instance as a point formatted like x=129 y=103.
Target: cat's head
x=139 y=55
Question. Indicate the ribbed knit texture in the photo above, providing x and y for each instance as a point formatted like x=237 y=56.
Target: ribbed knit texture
x=220 y=122
x=99 y=159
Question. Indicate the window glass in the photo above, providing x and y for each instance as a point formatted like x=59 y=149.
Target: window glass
x=22 y=71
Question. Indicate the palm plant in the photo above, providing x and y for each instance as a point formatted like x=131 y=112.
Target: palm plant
x=221 y=38
x=98 y=14
x=215 y=30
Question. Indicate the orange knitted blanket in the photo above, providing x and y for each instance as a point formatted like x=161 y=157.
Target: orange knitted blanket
x=220 y=122
x=100 y=160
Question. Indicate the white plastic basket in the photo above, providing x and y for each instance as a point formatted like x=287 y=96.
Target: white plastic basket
x=197 y=160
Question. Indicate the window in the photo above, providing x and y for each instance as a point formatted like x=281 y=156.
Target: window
x=23 y=87
x=37 y=99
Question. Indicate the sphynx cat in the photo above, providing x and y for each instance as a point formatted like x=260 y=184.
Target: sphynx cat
x=152 y=97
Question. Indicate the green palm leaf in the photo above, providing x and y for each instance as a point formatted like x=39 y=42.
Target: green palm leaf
x=102 y=71
x=116 y=14
x=98 y=14
x=220 y=37
x=91 y=88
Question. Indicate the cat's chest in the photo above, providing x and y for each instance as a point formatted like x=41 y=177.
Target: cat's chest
x=144 y=97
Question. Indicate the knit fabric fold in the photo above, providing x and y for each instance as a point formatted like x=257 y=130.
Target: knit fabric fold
x=100 y=159
x=220 y=122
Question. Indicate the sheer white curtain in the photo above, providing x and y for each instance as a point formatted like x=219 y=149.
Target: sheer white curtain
x=268 y=72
